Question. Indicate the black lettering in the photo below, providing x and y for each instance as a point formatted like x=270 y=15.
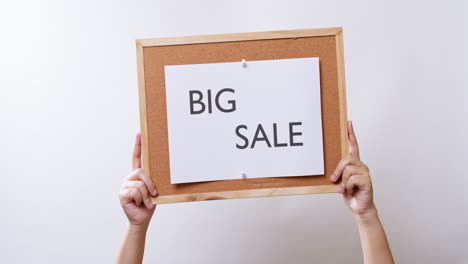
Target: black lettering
x=231 y=102
x=275 y=137
x=263 y=138
x=198 y=101
x=246 y=144
x=209 y=101
x=292 y=134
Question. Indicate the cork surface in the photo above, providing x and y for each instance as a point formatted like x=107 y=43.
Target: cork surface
x=155 y=58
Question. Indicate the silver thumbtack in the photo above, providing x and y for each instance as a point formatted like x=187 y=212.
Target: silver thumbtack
x=243 y=175
x=244 y=63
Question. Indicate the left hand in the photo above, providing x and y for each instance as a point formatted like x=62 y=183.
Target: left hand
x=356 y=184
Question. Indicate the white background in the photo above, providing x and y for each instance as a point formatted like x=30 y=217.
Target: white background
x=69 y=112
x=202 y=147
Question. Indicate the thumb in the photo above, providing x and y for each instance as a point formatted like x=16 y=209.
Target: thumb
x=353 y=144
x=136 y=155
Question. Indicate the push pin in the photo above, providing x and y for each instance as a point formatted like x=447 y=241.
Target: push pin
x=243 y=175
x=244 y=63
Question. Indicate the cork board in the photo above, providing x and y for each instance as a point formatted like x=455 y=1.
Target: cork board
x=154 y=54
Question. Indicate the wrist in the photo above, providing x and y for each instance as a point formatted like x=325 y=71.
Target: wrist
x=367 y=217
x=137 y=229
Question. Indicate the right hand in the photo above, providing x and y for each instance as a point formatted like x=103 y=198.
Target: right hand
x=136 y=191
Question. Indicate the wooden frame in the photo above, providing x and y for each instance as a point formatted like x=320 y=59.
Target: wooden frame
x=142 y=43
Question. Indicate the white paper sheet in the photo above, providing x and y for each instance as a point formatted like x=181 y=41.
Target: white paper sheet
x=204 y=146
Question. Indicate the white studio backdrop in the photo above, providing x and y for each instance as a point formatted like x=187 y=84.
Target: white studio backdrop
x=69 y=112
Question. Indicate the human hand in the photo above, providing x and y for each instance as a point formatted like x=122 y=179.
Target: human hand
x=136 y=191
x=356 y=184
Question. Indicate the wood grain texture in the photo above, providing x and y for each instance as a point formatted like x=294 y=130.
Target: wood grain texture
x=327 y=47
x=342 y=93
x=238 y=37
x=142 y=103
x=178 y=198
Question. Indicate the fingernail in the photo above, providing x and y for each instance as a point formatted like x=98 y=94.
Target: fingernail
x=333 y=177
x=149 y=205
x=340 y=189
x=154 y=192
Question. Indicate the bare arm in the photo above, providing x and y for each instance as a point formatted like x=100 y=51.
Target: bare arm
x=135 y=199
x=133 y=245
x=356 y=187
x=375 y=248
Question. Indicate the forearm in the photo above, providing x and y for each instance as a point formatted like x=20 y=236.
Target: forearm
x=133 y=245
x=375 y=248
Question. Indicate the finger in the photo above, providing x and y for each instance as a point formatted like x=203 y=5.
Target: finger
x=140 y=175
x=141 y=187
x=359 y=181
x=136 y=156
x=130 y=195
x=353 y=144
x=348 y=172
x=335 y=176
